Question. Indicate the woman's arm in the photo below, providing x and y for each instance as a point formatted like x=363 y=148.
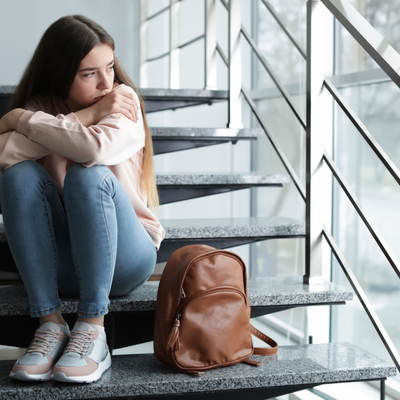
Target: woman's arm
x=15 y=147
x=118 y=101
x=114 y=139
x=9 y=121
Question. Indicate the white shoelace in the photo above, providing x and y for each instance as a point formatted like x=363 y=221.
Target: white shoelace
x=43 y=341
x=79 y=342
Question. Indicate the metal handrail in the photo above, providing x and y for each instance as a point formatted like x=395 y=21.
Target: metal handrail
x=286 y=30
x=371 y=41
x=191 y=41
x=296 y=180
x=276 y=146
x=158 y=13
x=387 y=162
x=158 y=57
x=363 y=298
x=222 y=54
x=380 y=241
x=273 y=76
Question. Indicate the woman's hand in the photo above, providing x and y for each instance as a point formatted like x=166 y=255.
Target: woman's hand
x=117 y=101
x=9 y=121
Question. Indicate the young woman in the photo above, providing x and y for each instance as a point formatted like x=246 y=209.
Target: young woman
x=77 y=180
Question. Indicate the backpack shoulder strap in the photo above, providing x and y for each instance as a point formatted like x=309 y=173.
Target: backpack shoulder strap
x=261 y=351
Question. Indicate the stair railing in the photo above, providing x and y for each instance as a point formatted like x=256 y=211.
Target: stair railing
x=389 y=60
x=316 y=131
x=317 y=112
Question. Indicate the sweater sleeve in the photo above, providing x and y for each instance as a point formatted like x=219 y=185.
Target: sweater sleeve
x=113 y=140
x=15 y=148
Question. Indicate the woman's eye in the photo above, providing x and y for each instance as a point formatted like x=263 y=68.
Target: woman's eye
x=89 y=74
x=111 y=68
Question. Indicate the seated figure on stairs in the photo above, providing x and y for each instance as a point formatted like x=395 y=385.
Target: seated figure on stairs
x=76 y=184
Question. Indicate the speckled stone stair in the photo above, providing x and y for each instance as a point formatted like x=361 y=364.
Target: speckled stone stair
x=167 y=140
x=143 y=376
x=267 y=295
x=224 y=233
x=275 y=293
x=221 y=233
x=174 y=187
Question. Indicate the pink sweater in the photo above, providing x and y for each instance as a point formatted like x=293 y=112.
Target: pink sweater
x=54 y=137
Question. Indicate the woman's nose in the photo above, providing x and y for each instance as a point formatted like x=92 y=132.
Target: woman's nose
x=104 y=82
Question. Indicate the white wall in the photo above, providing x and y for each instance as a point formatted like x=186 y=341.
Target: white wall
x=23 y=22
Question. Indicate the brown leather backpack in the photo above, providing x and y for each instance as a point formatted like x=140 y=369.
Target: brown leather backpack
x=202 y=316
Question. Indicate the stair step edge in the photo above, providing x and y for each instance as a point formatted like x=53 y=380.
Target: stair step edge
x=232 y=227
x=207 y=133
x=143 y=374
x=263 y=292
x=218 y=178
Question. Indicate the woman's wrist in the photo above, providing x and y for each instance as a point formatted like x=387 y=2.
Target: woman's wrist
x=86 y=116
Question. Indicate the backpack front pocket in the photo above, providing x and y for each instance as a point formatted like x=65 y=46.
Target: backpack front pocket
x=212 y=329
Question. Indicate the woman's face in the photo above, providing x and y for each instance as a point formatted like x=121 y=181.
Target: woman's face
x=94 y=79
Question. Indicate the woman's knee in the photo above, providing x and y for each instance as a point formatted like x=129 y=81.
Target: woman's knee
x=80 y=179
x=23 y=179
x=134 y=277
x=24 y=173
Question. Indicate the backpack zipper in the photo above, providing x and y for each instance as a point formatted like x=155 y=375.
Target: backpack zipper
x=173 y=338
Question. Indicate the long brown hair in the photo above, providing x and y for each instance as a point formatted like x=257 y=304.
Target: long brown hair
x=54 y=65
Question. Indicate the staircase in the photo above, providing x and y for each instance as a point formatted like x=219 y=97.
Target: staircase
x=142 y=376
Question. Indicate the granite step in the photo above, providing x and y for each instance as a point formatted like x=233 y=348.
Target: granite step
x=220 y=233
x=171 y=99
x=272 y=294
x=267 y=295
x=167 y=140
x=174 y=187
x=223 y=233
x=143 y=376
x=155 y=99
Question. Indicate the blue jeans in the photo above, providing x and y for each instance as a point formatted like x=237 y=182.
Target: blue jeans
x=94 y=246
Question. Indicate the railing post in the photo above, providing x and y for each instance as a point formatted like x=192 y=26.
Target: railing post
x=210 y=45
x=174 y=44
x=235 y=67
x=143 y=43
x=319 y=128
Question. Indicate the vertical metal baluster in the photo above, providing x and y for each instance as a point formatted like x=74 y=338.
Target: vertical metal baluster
x=174 y=44
x=235 y=67
x=319 y=126
x=210 y=45
x=143 y=43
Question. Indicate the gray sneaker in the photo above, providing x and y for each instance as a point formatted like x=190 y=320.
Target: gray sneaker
x=85 y=358
x=45 y=349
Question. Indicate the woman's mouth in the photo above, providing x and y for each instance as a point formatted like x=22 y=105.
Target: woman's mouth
x=98 y=98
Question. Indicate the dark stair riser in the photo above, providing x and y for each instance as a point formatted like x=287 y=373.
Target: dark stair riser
x=174 y=193
x=123 y=328
x=164 y=146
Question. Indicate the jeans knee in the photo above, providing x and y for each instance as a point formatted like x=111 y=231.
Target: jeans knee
x=22 y=179
x=80 y=180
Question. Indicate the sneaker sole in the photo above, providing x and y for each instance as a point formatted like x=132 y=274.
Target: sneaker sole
x=23 y=376
x=95 y=376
